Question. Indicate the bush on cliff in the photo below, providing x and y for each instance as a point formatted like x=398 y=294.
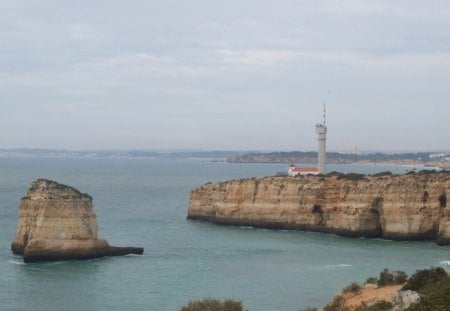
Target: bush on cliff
x=387 y=173
x=387 y=278
x=378 y=306
x=213 y=305
x=338 y=304
x=352 y=288
x=423 y=278
x=433 y=285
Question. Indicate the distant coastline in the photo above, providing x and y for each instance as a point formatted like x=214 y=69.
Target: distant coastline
x=419 y=159
x=423 y=159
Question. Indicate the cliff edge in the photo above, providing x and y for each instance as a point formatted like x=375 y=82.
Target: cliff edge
x=400 y=207
x=57 y=222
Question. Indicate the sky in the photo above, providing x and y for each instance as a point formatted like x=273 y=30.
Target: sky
x=224 y=75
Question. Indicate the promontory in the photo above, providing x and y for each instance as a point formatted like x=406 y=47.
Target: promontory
x=412 y=206
x=57 y=222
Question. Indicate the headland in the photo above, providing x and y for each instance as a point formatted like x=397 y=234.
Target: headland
x=412 y=206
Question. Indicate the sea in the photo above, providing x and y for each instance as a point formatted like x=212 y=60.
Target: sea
x=143 y=202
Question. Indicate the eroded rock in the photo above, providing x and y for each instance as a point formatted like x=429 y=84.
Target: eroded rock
x=399 y=207
x=57 y=222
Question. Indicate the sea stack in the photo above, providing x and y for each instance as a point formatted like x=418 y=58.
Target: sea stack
x=57 y=222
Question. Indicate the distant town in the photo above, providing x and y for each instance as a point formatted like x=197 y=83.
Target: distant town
x=428 y=159
x=431 y=159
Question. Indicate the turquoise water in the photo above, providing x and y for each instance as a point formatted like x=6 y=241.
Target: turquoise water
x=143 y=202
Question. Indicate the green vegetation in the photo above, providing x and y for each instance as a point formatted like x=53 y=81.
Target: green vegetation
x=386 y=278
x=379 y=306
x=332 y=157
x=433 y=286
x=387 y=173
x=213 y=305
x=336 y=305
x=352 y=176
x=371 y=280
x=349 y=176
x=352 y=288
x=425 y=278
x=426 y=172
x=56 y=185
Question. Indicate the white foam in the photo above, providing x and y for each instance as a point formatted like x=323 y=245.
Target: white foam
x=132 y=255
x=337 y=266
x=16 y=262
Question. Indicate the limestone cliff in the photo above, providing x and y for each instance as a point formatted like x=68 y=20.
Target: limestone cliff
x=403 y=207
x=57 y=222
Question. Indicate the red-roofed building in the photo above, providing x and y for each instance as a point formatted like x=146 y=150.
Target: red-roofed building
x=295 y=171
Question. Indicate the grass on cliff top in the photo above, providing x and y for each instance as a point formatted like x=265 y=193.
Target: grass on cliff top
x=433 y=286
x=59 y=186
x=210 y=304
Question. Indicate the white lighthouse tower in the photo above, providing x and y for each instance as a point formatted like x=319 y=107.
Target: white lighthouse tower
x=321 y=130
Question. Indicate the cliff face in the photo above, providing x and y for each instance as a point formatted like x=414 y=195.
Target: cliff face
x=57 y=222
x=404 y=207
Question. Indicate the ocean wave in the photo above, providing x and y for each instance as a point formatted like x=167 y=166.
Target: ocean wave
x=338 y=266
x=16 y=262
x=133 y=255
x=445 y=263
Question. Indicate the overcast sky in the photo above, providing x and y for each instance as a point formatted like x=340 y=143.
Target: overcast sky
x=240 y=75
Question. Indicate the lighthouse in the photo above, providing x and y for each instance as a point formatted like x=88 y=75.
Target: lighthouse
x=321 y=130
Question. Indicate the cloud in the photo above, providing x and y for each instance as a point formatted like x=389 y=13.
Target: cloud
x=214 y=70
x=256 y=57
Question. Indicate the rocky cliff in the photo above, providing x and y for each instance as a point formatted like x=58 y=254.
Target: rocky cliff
x=57 y=222
x=402 y=207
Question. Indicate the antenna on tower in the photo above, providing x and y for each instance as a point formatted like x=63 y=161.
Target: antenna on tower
x=324 y=113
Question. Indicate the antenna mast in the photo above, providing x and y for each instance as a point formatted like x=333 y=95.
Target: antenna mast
x=324 y=113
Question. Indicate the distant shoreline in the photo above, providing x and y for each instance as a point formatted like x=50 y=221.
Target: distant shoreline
x=431 y=160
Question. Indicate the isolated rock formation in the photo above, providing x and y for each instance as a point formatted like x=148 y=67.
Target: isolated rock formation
x=400 y=207
x=57 y=222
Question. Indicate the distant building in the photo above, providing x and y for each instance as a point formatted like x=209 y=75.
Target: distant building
x=302 y=171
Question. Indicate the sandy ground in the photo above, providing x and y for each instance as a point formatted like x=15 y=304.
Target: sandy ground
x=370 y=294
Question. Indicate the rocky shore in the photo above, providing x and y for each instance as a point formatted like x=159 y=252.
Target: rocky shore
x=400 y=207
x=57 y=222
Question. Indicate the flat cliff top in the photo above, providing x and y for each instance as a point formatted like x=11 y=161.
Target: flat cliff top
x=411 y=206
x=350 y=177
x=49 y=189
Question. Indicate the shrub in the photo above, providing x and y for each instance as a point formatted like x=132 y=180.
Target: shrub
x=352 y=176
x=336 y=305
x=386 y=278
x=378 y=306
x=387 y=173
x=213 y=305
x=352 y=288
x=400 y=277
x=422 y=278
x=435 y=296
x=427 y=172
x=371 y=280
x=335 y=173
